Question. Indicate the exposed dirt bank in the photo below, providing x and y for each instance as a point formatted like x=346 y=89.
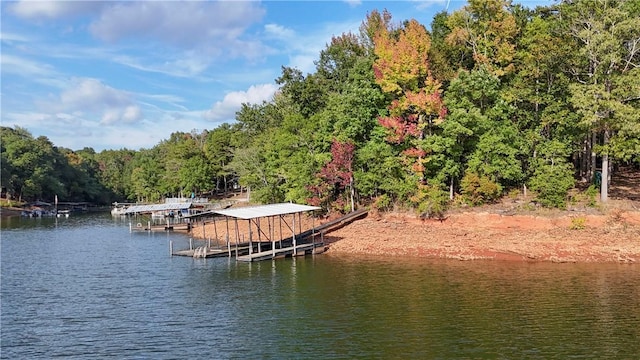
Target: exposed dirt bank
x=613 y=236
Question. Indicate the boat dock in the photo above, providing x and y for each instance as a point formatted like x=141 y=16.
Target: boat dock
x=168 y=226
x=267 y=245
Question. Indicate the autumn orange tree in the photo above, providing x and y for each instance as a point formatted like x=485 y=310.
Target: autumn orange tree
x=402 y=71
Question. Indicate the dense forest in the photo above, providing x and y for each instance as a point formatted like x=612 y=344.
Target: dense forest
x=495 y=99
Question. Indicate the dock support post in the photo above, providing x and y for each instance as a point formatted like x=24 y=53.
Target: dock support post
x=149 y=226
x=130 y=228
x=215 y=233
x=280 y=223
x=237 y=237
x=171 y=247
x=190 y=244
x=228 y=245
x=250 y=243
x=293 y=231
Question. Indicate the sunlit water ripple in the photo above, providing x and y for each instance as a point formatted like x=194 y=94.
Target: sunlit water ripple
x=84 y=287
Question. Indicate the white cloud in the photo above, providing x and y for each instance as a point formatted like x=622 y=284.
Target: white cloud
x=92 y=97
x=279 y=31
x=128 y=114
x=76 y=131
x=304 y=62
x=182 y=24
x=353 y=3
x=424 y=4
x=225 y=110
x=54 y=9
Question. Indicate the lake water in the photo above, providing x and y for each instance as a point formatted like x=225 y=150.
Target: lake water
x=84 y=287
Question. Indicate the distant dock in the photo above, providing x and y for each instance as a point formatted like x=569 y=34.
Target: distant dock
x=168 y=226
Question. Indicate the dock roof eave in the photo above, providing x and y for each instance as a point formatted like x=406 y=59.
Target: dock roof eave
x=252 y=212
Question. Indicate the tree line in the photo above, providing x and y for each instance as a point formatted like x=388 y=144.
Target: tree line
x=495 y=98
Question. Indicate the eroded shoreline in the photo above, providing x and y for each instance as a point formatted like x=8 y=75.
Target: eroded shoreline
x=612 y=237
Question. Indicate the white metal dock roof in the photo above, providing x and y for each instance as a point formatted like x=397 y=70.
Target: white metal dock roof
x=157 y=207
x=252 y=212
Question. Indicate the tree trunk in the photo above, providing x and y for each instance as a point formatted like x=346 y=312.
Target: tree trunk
x=451 y=190
x=592 y=167
x=583 y=160
x=604 y=180
x=351 y=192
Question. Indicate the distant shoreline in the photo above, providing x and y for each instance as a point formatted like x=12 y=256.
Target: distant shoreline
x=9 y=211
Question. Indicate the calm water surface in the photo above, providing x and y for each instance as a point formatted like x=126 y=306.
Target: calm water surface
x=84 y=287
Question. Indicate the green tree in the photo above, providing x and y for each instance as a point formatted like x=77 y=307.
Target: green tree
x=218 y=150
x=32 y=163
x=489 y=29
x=553 y=175
x=607 y=77
x=114 y=172
x=144 y=180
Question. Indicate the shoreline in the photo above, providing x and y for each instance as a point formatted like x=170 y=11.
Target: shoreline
x=607 y=238
x=613 y=237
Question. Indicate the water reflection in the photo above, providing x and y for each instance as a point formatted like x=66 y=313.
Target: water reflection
x=89 y=288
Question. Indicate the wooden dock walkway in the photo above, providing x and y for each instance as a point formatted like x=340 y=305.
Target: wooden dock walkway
x=209 y=252
x=186 y=227
x=243 y=251
x=299 y=250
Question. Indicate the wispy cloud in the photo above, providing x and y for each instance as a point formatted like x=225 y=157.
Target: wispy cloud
x=424 y=4
x=279 y=32
x=225 y=110
x=25 y=67
x=12 y=37
x=181 y=24
x=87 y=97
x=353 y=3
x=55 y=9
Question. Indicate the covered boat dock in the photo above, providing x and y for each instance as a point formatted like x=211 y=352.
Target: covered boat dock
x=264 y=236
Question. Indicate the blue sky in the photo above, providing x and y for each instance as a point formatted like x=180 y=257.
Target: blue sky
x=112 y=75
